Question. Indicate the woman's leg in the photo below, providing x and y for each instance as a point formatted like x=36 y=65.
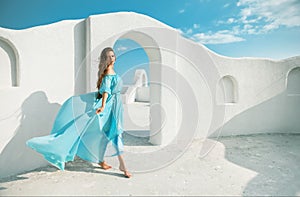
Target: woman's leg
x=122 y=167
x=103 y=145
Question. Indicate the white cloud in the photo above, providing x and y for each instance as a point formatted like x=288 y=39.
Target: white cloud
x=230 y=20
x=186 y=31
x=181 y=11
x=226 y=5
x=189 y=31
x=262 y=16
x=272 y=13
x=245 y=13
x=220 y=37
x=254 y=17
x=196 y=26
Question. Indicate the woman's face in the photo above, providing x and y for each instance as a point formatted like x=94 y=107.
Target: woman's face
x=110 y=57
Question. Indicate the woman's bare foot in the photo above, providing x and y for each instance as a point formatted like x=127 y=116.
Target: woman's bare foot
x=126 y=173
x=104 y=165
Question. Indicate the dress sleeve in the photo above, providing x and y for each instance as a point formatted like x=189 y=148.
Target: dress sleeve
x=105 y=85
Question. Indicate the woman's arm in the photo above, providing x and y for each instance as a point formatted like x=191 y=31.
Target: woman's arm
x=104 y=98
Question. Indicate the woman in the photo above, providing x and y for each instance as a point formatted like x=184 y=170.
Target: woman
x=89 y=125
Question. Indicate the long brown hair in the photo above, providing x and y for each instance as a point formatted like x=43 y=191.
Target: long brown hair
x=102 y=67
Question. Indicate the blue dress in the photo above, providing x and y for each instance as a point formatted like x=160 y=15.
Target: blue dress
x=78 y=130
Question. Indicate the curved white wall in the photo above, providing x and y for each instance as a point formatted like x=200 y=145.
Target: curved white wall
x=263 y=103
x=56 y=61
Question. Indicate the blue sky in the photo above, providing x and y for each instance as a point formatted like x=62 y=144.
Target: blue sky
x=234 y=28
x=130 y=56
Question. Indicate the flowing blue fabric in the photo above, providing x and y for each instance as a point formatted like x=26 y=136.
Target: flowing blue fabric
x=78 y=130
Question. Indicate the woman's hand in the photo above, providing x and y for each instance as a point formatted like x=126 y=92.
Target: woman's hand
x=104 y=97
x=99 y=110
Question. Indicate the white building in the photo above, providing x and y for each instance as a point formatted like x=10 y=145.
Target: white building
x=194 y=92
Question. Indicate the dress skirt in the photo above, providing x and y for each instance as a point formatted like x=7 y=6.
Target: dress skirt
x=78 y=130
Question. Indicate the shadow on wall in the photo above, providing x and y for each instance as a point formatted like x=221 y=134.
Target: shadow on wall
x=37 y=118
x=279 y=114
x=79 y=58
x=275 y=157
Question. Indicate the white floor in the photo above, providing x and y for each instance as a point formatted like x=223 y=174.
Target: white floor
x=241 y=165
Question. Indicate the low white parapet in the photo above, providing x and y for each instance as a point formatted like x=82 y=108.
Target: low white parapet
x=142 y=94
x=136 y=92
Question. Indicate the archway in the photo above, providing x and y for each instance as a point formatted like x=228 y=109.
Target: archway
x=9 y=71
x=293 y=81
x=151 y=48
x=130 y=57
x=227 y=90
x=133 y=66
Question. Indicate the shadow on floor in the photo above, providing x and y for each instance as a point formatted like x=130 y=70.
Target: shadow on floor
x=22 y=176
x=275 y=157
x=136 y=138
x=78 y=165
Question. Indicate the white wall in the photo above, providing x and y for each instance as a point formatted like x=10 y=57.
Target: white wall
x=263 y=104
x=143 y=94
x=45 y=59
x=42 y=66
